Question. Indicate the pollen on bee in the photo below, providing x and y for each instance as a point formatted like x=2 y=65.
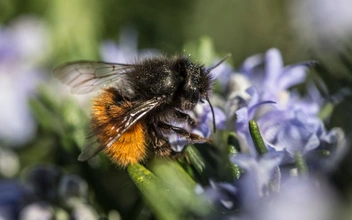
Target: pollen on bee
x=108 y=110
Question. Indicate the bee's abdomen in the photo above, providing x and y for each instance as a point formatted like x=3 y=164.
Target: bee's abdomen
x=107 y=110
x=130 y=147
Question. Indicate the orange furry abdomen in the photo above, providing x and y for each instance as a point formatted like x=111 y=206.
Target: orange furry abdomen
x=130 y=147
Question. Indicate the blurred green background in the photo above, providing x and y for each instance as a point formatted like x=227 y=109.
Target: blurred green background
x=77 y=28
x=242 y=28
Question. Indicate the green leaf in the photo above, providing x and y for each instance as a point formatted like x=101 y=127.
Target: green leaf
x=155 y=192
x=183 y=196
x=232 y=140
x=257 y=137
x=44 y=116
x=235 y=169
x=301 y=164
x=195 y=158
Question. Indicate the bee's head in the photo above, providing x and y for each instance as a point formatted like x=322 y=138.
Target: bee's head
x=197 y=83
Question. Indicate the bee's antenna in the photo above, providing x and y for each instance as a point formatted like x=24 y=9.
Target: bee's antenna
x=212 y=112
x=220 y=62
x=207 y=98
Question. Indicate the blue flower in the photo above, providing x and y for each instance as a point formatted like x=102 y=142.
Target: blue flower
x=291 y=130
x=290 y=127
x=261 y=175
x=300 y=199
x=222 y=195
x=204 y=119
x=119 y=53
x=335 y=144
x=222 y=73
x=268 y=74
x=243 y=115
x=310 y=104
x=12 y=197
x=271 y=77
x=126 y=50
x=291 y=124
x=22 y=46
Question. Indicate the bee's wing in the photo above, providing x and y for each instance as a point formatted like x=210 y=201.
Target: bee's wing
x=131 y=117
x=87 y=76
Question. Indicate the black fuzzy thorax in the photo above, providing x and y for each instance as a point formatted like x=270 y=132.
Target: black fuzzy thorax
x=180 y=82
x=177 y=78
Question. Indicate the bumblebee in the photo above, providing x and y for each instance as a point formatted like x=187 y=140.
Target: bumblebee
x=132 y=117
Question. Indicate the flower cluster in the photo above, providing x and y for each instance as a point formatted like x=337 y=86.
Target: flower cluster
x=282 y=140
x=296 y=147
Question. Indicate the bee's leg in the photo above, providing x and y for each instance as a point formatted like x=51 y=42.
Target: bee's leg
x=160 y=138
x=176 y=155
x=162 y=146
x=160 y=142
x=165 y=150
x=193 y=138
x=185 y=117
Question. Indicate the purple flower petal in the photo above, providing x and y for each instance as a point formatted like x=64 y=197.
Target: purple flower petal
x=292 y=75
x=250 y=63
x=291 y=130
x=273 y=67
x=258 y=173
x=303 y=199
